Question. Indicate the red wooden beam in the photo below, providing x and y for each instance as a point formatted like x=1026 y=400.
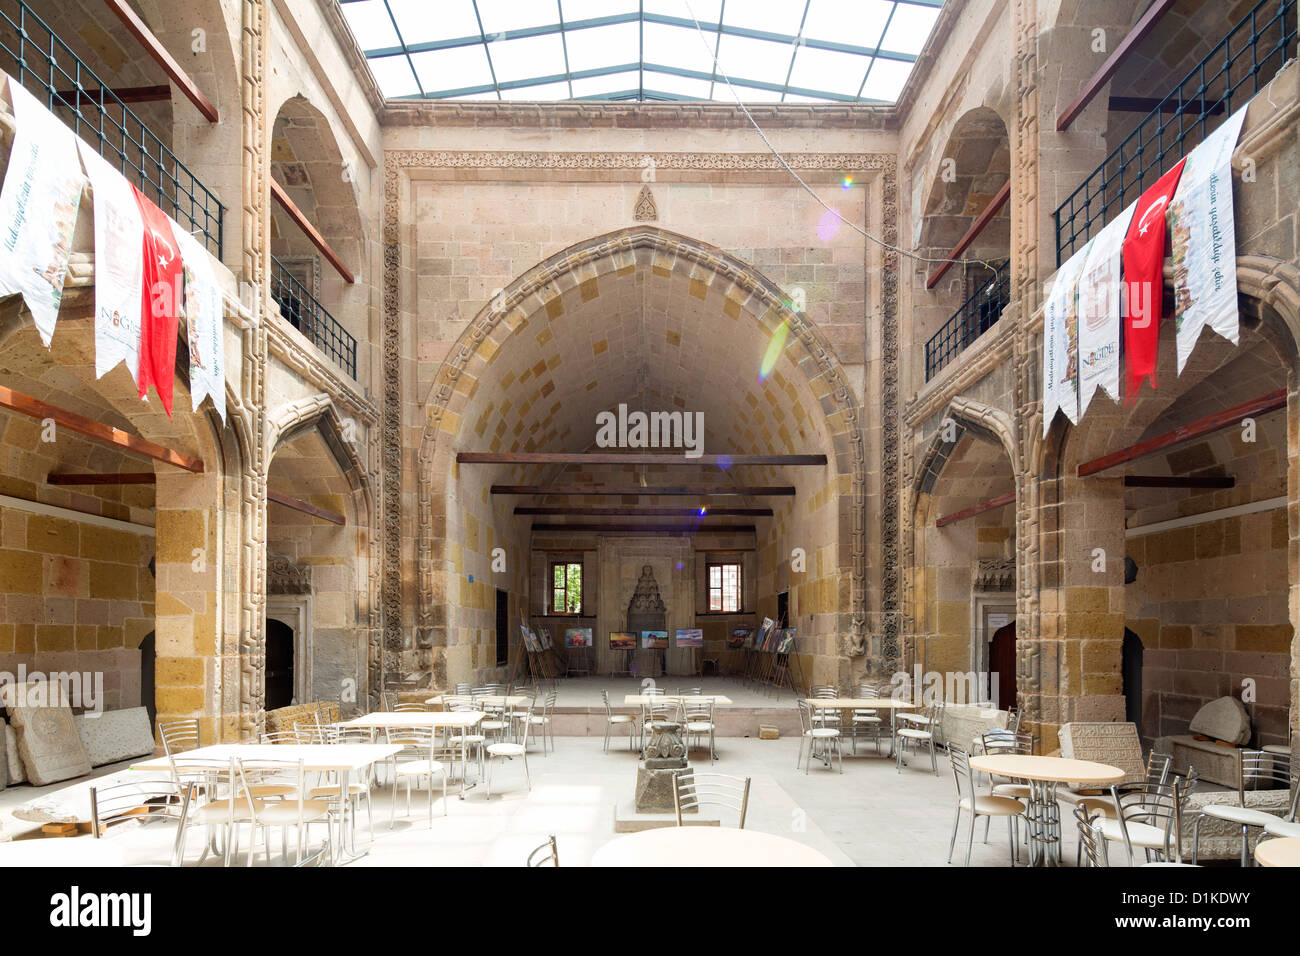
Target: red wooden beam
x=317 y=240
x=297 y=504
x=650 y=492
x=1126 y=46
x=1179 y=481
x=1184 y=433
x=645 y=528
x=26 y=405
x=615 y=458
x=598 y=511
x=122 y=478
x=992 y=209
x=125 y=94
x=1000 y=501
x=159 y=53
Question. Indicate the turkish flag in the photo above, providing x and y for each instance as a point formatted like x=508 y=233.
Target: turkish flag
x=1144 y=260
x=159 y=319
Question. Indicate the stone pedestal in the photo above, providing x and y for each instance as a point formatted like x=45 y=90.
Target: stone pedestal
x=665 y=758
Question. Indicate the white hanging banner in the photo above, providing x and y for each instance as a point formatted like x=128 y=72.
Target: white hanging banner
x=1100 y=322
x=205 y=323
x=1202 y=233
x=119 y=264
x=1061 y=342
x=39 y=203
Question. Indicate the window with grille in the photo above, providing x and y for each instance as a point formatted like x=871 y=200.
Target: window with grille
x=566 y=587
x=724 y=587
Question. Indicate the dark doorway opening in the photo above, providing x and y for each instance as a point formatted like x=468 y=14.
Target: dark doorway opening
x=1002 y=662
x=783 y=609
x=503 y=628
x=148 y=659
x=1131 y=672
x=279 y=664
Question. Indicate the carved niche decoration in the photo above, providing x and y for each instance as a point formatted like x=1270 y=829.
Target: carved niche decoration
x=995 y=574
x=646 y=611
x=645 y=209
x=285 y=577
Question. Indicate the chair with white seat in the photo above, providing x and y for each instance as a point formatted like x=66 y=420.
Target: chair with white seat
x=697 y=714
x=543 y=723
x=223 y=805
x=919 y=732
x=1144 y=818
x=866 y=719
x=693 y=790
x=424 y=761
x=979 y=805
x=815 y=735
x=470 y=738
x=1256 y=770
x=612 y=720
x=180 y=736
x=296 y=810
x=358 y=790
x=508 y=750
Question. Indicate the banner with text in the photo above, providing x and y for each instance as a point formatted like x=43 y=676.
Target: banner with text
x=1100 y=312
x=1061 y=342
x=39 y=203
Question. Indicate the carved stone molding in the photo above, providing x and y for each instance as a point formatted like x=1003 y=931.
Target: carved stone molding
x=645 y=209
x=286 y=577
x=994 y=574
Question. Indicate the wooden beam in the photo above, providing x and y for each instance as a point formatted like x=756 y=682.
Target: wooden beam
x=297 y=504
x=122 y=478
x=125 y=94
x=1001 y=501
x=1185 y=433
x=597 y=511
x=645 y=528
x=1126 y=46
x=1145 y=104
x=1179 y=481
x=159 y=53
x=317 y=240
x=652 y=492
x=107 y=434
x=992 y=209
x=614 y=458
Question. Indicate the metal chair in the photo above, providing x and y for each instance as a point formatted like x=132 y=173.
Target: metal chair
x=612 y=719
x=141 y=802
x=827 y=737
x=1144 y=818
x=865 y=718
x=548 y=854
x=410 y=707
x=979 y=805
x=542 y=722
x=221 y=806
x=422 y=762
x=921 y=732
x=1092 y=845
x=697 y=714
x=1254 y=767
x=505 y=750
x=295 y=810
x=180 y=736
x=693 y=790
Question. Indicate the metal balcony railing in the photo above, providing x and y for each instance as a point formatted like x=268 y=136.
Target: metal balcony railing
x=35 y=56
x=1239 y=65
x=976 y=316
x=302 y=310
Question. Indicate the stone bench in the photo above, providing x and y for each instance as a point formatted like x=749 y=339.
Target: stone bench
x=961 y=724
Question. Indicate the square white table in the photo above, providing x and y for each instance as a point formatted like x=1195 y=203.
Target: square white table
x=340 y=759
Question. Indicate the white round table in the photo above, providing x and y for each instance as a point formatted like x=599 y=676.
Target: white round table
x=706 y=846
x=1043 y=774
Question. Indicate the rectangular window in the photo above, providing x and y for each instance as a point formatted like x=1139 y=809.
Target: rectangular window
x=724 y=588
x=566 y=588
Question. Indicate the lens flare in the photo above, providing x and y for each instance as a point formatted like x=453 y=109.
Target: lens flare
x=848 y=181
x=828 y=225
x=773 y=352
x=724 y=462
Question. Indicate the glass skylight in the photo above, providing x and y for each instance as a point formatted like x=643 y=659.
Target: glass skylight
x=771 y=51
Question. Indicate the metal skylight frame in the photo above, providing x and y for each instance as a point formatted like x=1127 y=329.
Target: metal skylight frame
x=645 y=90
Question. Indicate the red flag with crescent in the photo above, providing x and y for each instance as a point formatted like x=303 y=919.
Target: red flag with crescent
x=1144 y=259
x=159 y=319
